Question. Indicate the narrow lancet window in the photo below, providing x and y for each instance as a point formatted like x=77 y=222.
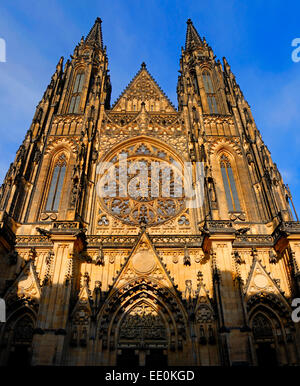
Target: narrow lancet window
x=76 y=94
x=209 y=89
x=56 y=184
x=229 y=185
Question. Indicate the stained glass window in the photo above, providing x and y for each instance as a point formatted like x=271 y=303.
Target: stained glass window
x=209 y=89
x=149 y=189
x=56 y=184
x=76 y=94
x=229 y=185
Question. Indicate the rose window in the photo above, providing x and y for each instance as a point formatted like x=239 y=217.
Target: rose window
x=141 y=184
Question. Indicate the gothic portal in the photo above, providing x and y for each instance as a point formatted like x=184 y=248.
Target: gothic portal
x=143 y=277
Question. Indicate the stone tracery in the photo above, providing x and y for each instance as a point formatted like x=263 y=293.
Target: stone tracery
x=154 y=194
x=133 y=292
x=142 y=322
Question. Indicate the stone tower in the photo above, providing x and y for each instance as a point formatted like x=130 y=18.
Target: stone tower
x=137 y=276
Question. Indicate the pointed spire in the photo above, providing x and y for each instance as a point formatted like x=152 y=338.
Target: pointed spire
x=95 y=35
x=192 y=37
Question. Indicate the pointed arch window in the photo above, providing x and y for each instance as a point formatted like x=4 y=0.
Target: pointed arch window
x=23 y=330
x=210 y=93
x=229 y=185
x=262 y=327
x=76 y=94
x=56 y=184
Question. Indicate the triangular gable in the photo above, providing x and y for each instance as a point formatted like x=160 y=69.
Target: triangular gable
x=143 y=261
x=202 y=296
x=83 y=301
x=27 y=284
x=204 y=311
x=259 y=280
x=143 y=88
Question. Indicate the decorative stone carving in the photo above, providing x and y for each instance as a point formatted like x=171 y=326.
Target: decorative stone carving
x=272 y=257
x=260 y=281
x=145 y=196
x=189 y=292
x=143 y=261
x=142 y=323
x=186 y=257
x=100 y=256
x=204 y=314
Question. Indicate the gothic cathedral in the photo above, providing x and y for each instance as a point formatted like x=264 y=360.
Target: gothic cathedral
x=130 y=278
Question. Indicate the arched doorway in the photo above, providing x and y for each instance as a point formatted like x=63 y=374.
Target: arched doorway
x=142 y=337
x=19 y=336
x=264 y=340
x=145 y=318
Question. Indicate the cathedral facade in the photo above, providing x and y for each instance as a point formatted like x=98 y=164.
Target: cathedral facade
x=141 y=276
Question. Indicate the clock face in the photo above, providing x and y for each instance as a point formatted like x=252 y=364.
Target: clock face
x=141 y=184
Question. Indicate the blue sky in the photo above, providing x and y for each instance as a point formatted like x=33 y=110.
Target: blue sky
x=255 y=36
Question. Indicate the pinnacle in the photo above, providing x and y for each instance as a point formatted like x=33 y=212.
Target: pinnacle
x=143 y=65
x=95 y=35
x=192 y=37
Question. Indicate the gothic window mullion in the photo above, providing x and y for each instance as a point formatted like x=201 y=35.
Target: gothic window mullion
x=76 y=94
x=72 y=103
x=56 y=185
x=210 y=93
x=229 y=186
x=233 y=190
x=51 y=193
x=155 y=198
x=55 y=188
x=227 y=189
